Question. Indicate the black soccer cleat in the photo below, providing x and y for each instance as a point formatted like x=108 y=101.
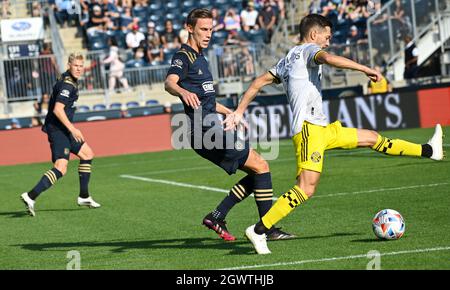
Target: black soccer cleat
x=218 y=226
x=275 y=234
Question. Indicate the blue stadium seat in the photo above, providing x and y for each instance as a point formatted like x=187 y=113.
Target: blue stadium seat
x=83 y=108
x=132 y=104
x=140 y=12
x=115 y=106
x=219 y=37
x=156 y=17
x=255 y=36
x=151 y=102
x=99 y=107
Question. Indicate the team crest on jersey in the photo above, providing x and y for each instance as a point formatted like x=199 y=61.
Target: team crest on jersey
x=66 y=151
x=315 y=157
x=178 y=63
x=239 y=145
x=65 y=93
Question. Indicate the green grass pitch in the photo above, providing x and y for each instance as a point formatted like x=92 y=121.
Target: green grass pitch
x=153 y=225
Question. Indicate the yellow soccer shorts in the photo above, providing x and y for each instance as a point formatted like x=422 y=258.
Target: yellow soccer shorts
x=311 y=143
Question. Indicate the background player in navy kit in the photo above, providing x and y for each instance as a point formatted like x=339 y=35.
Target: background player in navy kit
x=190 y=79
x=64 y=138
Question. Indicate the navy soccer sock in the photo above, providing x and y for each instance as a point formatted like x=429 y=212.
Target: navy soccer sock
x=263 y=192
x=48 y=179
x=84 y=171
x=238 y=193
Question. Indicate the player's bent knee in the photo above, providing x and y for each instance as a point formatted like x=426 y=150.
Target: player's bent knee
x=61 y=168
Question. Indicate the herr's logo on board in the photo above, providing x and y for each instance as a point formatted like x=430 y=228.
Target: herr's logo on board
x=208 y=87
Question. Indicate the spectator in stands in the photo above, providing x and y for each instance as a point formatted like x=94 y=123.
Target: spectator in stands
x=97 y=20
x=41 y=106
x=280 y=10
x=134 y=37
x=152 y=35
x=155 y=52
x=249 y=17
x=398 y=20
x=112 y=12
x=229 y=63
x=184 y=33
x=170 y=39
x=232 y=20
x=116 y=68
x=381 y=87
x=65 y=12
x=126 y=19
x=48 y=68
x=266 y=20
x=15 y=124
x=141 y=53
x=36 y=9
x=233 y=38
x=5 y=9
x=217 y=20
x=411 y=57
x=246 y=62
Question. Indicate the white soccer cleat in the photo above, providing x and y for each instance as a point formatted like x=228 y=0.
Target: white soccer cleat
x=259 y=241
x=436 y=143
x=29 y=203
x=88 y=202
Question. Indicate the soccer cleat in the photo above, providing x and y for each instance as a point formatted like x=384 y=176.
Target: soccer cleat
x=29 y=203
x=436 y=144
x=218 y=226
x=259 y=241
x=89 y=202
x=277 y=234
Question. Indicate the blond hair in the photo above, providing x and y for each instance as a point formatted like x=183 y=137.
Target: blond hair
x=75 y=55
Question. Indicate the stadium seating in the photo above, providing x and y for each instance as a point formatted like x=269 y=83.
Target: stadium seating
x=115 y=106
x=151 y=102
x=132 y=104
x=99 y=107
x=83 y=108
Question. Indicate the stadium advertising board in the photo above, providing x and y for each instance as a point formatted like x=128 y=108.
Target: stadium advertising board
x=271 y=116
x=22 y=29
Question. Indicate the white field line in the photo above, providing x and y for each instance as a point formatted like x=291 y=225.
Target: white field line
x=180 y=184
x=382 y=190
x=331 y=259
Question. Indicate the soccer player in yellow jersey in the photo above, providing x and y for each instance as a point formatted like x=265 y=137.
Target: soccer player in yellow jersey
x=300 y=73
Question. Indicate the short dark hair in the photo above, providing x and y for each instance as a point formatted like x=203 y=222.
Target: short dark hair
x=312 y=20
x=196 y=14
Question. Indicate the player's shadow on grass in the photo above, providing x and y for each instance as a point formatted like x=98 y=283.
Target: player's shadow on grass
x=238 y=247
x=123 y=246
x=23 y=213
x=372 y=240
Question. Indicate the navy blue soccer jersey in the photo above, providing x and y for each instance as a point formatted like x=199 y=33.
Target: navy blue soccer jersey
x=64 y=91
x=192 y=69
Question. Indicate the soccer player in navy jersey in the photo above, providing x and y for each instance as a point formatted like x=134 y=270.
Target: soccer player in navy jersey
x=64 y=138
x=190 y=79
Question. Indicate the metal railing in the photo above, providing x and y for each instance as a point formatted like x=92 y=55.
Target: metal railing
x=388 y=27
x=234 y=62
x=28 y=78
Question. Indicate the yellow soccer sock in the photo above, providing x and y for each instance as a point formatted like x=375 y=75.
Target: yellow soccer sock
x=284 y=205
x=397 y=147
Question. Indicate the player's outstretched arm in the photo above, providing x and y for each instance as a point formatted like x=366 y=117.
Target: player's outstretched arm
x=233 y=119
x=345 y=63
x=171 y=86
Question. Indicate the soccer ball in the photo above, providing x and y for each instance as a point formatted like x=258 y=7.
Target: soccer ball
x=388 y=224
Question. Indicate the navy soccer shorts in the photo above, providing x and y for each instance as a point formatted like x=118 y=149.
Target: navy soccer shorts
x=231 y=156
x=62 y=144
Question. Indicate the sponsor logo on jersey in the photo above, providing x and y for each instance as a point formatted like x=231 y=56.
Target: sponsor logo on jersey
x=208 y=87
